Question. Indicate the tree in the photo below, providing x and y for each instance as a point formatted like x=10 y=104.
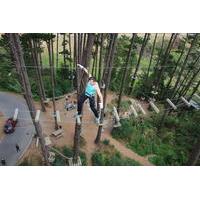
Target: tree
x=144 y=42
x=53 y=79
x=106 y=80
x=163 y=61
x=183 y=66
x=17 y=55
x=151 y=58
x=125 y=71
x=165 y=92
x=85 y=61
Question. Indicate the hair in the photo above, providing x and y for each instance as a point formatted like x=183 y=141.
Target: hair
x=92 y=78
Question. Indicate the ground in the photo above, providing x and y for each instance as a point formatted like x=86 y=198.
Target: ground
x=89 y=130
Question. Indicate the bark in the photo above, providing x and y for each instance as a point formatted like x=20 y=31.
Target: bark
x=161 y=50
x=125 y=72
x=53 y=82
x=17 y=54
x=186 y=78
x=138 y=63
x=194 y=90
x=57 y=52
x=70 y=52
x=184 y=92
x=64 y=53
x=173 y=73
x=166 y=56
x=106 y=80
x=151 y=58
x=80 y=86
x=183 y=66
x=86 y=58
x=38 y=74
x=100 y=58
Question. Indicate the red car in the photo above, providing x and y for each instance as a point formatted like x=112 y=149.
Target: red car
x=10 y=125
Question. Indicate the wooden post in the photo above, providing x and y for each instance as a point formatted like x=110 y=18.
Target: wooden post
x=116 y=116
x=134 y=111
x=15 y=114
x=37 y=116
x=142 y=110
x=185 y=101
x=171 y=104
x=154 y=107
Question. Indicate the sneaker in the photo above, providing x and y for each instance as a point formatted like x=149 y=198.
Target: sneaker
x=76 y=115
x=97 y=120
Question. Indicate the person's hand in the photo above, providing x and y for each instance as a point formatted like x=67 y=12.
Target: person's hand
x=101 y=105
x=79 y=65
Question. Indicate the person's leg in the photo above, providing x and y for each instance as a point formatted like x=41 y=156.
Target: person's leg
x=92 y=106
x=81 y=100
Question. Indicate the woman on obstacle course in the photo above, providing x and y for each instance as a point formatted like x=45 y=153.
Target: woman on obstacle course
x=91 y=89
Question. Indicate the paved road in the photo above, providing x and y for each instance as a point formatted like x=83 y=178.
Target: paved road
x=24 y=131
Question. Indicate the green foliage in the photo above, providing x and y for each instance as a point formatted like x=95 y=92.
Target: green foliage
x=106 y=142
x=179 y=135
x=108 y=156
x=125 y=132
x=8 y=80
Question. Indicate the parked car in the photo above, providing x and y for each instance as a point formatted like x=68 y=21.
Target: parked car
x=10 y=125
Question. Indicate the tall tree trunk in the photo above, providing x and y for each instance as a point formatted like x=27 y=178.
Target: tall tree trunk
x=64 y=53
x=107 y=77
x=173 y=73
x=57 y=51
x=86 y=58
x=53 y=82
x=185 y=84
x=80 y=86
x=183 y=66
x=38 y=74
x=17 y=54
x=39 y=60
x=151 y=58
x=161 y=50
x=125 y=72
x=144 y=42
x=194 y=90
x=100 y=66
x=166 y=56
x=185 y=90
x=100 y=57
x=70 y=52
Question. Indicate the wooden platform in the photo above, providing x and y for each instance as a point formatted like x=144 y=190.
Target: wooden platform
x=58 y=133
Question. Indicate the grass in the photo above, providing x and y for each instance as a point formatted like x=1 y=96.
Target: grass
x=107 y=155
x=170 y=147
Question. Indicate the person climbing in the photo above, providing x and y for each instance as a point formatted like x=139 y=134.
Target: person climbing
x=91 y=89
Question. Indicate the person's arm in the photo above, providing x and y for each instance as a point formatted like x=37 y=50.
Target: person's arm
x=85 y=70
x=100 y=96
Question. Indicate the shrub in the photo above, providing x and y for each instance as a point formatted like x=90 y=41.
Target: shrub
x=124 y=132
x=106 y=142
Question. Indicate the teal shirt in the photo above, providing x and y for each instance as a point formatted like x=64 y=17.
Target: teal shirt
x=90 y=90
